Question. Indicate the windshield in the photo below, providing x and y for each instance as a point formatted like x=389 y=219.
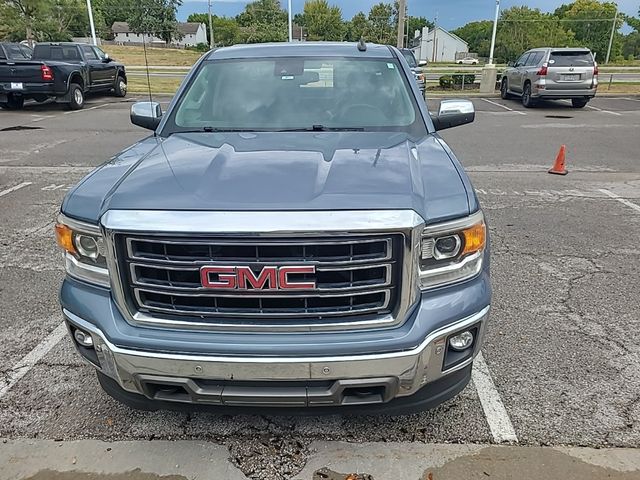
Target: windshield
x=410 y=58
x=297 y=94
x=571 y=59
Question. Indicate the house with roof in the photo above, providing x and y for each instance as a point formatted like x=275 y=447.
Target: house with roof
x=438 y=45
x=193 y=33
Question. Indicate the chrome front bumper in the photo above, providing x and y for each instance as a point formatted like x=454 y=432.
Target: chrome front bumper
x=231 y=380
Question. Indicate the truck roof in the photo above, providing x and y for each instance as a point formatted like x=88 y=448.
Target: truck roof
x=61 y=43
x=300 y=49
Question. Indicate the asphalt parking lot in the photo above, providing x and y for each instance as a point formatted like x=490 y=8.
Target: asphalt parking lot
x=562 y=352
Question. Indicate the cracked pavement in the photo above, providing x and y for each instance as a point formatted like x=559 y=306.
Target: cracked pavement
x=562 y=346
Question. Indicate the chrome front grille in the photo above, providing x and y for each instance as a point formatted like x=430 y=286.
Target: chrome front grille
x=355 y=277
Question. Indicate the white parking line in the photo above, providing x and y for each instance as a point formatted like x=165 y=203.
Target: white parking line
x=503 y=106
x=27 y=362
x=85 y=109
x=494 y=410
x=624 y=201
x=604 y=111
x=14 y=188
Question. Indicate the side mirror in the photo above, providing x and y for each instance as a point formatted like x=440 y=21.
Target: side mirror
x=453 y=113
x=422 y=63
x=510 y=64
x=107 y=58
x=146 y=114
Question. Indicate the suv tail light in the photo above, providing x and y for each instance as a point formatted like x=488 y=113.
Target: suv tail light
x=543 y=70
x=595 y=69
x=47 y=73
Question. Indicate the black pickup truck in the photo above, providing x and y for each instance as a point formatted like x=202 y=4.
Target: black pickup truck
x=63 y=71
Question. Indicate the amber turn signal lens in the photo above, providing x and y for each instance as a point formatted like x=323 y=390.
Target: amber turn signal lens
x=64 y=237
x=475 y=238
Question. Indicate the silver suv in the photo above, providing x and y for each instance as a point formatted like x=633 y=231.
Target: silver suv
x=552 y=73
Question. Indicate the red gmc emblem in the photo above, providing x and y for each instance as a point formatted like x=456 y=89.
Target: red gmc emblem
x=244 y=278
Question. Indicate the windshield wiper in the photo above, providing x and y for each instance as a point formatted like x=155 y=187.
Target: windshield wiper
x=220 y=130
x=314 y=128
x=322 y=128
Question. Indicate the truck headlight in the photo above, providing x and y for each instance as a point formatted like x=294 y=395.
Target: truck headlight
x=452 y=251
x=84 y=250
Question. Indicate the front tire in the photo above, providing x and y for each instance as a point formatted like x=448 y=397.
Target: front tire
x=504 y=90
x=120 y=89
x=76 y=97
x=579 y=102
x=13 y=103
x=527 y=101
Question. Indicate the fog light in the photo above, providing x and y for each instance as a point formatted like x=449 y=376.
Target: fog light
x=461 y=341
x=83 y=338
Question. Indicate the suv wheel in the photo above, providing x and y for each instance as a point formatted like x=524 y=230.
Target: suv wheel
x=579 y=102
x=504 y=89
x=76 y=97
x=120 y=89
x=527 y=101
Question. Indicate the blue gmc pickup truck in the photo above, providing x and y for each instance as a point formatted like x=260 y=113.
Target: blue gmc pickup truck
x=294 y=234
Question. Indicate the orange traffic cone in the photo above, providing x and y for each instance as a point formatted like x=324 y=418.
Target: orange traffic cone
x=558 y=166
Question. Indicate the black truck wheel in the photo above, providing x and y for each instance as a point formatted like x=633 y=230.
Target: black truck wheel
x=13 y=103
x=579 y=102
x=120 y=88
x=76 y=97
x=527 y=101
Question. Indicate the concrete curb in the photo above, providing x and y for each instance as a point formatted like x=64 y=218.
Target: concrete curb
x=22 y=459
x=182 y=460
x=414 y=461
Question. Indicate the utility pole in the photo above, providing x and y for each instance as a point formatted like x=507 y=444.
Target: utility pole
x=210 y=28
x=489 y=71
x=493 y=34
x=290 y=23
x=613 y=31
x=93 y=27
x=402 y=12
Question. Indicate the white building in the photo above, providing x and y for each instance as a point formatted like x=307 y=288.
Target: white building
x=193 y=34
x=438 y=45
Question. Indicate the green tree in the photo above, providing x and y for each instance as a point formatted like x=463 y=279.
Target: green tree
x=591 y=21
x=633 y=22
x=631 y=45
x=357 y=28
x=64 y=19
x=522 y=28
x=418 y=23
x=25 y=15
x=477 y=35
x=323 y=21
x=156 y=17
x=111 y=11
x=50 y=20
x=263 y=21
x=382 y=24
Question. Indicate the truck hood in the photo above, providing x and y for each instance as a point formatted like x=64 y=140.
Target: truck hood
x=291 y=171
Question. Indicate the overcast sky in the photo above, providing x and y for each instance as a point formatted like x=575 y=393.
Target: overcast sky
x=451 y=13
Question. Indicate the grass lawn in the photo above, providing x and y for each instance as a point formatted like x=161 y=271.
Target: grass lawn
x=134 y=55
x=158 y=85
x=621 y=87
